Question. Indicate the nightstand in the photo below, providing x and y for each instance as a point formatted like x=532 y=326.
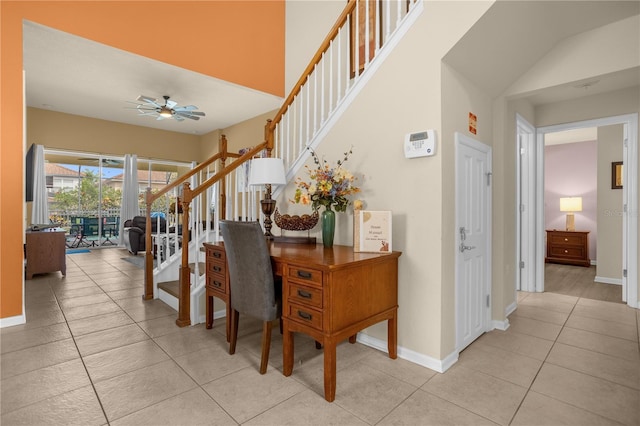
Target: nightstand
x=568 y=247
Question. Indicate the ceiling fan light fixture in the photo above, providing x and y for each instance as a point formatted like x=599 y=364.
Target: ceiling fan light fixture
x=165 y=112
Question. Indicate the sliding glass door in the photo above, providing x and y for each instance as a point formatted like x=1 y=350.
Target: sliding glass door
x=85 y=194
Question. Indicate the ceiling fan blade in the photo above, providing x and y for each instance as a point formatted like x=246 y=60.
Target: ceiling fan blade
x=192 y=117
x=146 y=108
x=171 y=104
x=159 y=118
x=178 y=118
x=186 y=108
x=149 y=100
x=190 y=113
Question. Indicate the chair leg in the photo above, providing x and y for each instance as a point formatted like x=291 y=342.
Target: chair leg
x=266 y=345
x=234 y=331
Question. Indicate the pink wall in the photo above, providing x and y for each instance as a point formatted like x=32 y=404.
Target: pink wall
x=571 y=170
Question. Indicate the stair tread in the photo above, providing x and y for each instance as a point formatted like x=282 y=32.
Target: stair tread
x=171 y=287
x=201 y=266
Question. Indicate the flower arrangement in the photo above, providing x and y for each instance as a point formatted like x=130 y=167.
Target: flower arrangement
x=328 y=186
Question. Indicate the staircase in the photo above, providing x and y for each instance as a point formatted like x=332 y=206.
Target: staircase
x=333 y=78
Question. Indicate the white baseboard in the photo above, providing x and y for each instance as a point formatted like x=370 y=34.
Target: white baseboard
x=500 y=325
x=11 y=321
x=606 y=280
x=594 y=262
x=510 y=309
x=426 y=361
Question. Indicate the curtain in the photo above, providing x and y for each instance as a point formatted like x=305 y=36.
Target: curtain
x=130 y=206
x=40 y=205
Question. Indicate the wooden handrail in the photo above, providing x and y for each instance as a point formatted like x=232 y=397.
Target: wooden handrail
x=150 y=198
x=314 y=61
x=184 y=289
x=197 y=169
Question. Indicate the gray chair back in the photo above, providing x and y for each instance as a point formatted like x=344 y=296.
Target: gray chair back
x=250 y=273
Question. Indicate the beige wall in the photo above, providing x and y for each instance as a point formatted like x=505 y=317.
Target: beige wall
x=609 y=224
x=77 y=133
x=248 y=133
x=405 y=96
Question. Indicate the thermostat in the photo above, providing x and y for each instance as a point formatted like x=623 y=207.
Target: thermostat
x=421 y=144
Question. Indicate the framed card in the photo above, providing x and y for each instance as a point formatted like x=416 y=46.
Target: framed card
x=373 y=231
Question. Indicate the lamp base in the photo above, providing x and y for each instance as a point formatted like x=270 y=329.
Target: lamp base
x=268 y=207
x=571 y=225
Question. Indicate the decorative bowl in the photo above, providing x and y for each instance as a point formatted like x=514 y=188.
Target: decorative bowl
x=296 y=223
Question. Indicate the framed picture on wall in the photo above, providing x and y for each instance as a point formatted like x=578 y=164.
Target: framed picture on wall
x=616 y=175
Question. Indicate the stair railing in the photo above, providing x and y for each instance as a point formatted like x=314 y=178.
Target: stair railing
x=363 y=34
x=151 y=197
x=335 y=74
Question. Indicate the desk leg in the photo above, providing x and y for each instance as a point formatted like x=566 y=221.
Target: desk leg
x=329 y=370
x=209 y=319
x=228 y=320
x=287 y=350
x=392 y=335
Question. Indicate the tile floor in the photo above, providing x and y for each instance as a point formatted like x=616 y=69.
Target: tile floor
x=93 y=353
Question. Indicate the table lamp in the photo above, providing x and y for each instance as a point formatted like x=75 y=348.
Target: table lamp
x=267 y=171
x=571 y=205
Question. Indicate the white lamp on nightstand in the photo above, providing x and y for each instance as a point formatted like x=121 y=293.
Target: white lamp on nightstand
x=571 y=205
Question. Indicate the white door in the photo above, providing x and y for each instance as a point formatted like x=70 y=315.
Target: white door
x=473 y=239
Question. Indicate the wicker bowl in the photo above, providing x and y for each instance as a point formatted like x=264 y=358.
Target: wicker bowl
x=296 y=223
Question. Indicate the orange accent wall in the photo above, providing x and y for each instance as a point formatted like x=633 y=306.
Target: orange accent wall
x=238 y=41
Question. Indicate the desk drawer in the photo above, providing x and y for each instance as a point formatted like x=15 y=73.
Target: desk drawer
x=216 y=267
x=217 y=283
x=217 y=253
x=300 y=313
x=306 y=275
x=309 y=296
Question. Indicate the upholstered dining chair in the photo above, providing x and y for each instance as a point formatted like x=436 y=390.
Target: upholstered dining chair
x=252 y=287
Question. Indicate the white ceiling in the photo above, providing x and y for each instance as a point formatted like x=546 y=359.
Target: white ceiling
x=585 y=134
x=73 y=75
x=513 y=35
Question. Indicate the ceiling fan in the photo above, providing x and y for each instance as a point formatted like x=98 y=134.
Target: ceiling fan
x=170 y=109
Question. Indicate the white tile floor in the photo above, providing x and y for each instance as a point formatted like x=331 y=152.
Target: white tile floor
x=93 y=353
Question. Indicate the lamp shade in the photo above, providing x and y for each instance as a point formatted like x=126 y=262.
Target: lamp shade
x=571 y=204
x=267 y=171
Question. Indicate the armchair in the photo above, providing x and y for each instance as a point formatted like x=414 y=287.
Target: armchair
x=135 y=230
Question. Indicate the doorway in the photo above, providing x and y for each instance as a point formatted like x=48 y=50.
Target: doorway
x=535 y=178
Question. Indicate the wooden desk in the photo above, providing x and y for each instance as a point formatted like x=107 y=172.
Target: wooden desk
x=330 y=295
x=45 y=252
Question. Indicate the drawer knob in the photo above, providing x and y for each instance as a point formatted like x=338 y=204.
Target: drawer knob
x=304 y=294
x=566 y=239
x=566 y=251
x=217 y=284
x=304 y=274
x=217 y=254
x=217 y=268
x=305 y=315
